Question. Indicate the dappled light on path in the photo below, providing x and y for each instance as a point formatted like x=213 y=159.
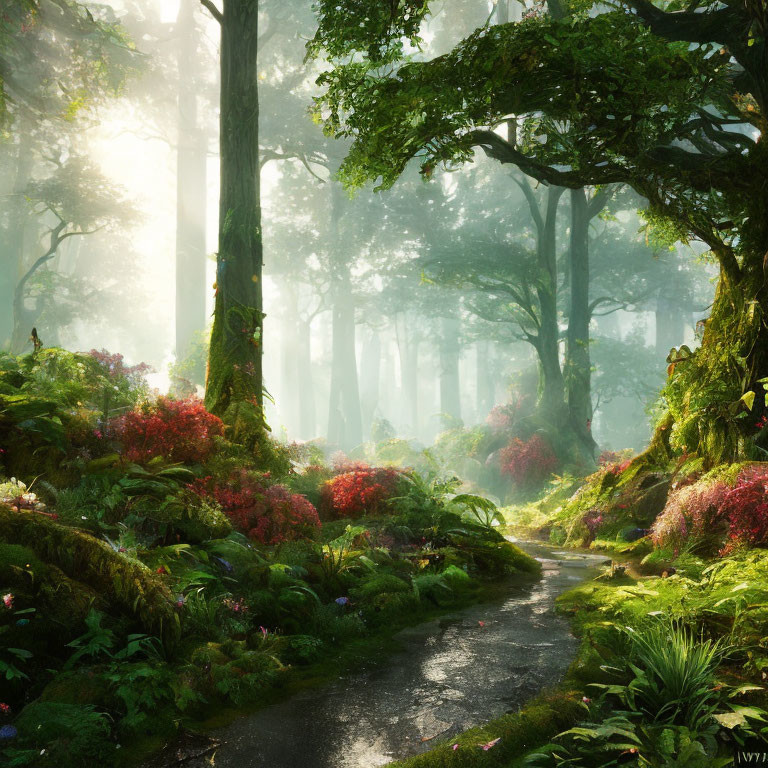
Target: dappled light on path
x=450 y=675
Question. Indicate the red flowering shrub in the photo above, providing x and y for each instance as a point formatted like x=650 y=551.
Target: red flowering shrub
x=528 y=463
x=179 y=430
x=364 y=490
x=745 y=507
x=270 y=515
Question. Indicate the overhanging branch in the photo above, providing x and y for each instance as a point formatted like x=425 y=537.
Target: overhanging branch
x=214 y=11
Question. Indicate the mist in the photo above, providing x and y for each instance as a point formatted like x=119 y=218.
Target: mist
x=417 y=345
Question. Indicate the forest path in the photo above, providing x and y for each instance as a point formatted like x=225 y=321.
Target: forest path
x=451 y=674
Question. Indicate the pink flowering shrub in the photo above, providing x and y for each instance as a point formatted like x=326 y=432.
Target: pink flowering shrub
x=268 y=515
x=690 y=515
x=504 y=417
x=528 y=463
x=114 y=366
x=705 y=513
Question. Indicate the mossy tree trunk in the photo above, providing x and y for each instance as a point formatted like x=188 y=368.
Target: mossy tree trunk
x=717 y=396
x=235 y=358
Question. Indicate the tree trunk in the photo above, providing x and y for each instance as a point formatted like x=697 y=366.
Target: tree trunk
x=370 y=374
x=408 y=352
x=716 y=397
x=345 y=427
x=307 y=416
x=191 y=190
x=289 y=370
x=450 y=392
x=235 y=360
x=578 y=366
x=551 y=384
x=486 y=379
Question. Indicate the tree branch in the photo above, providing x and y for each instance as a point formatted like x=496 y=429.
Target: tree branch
x=499 y=149
x=533 y=203
x=719 y=25
x=214 y=11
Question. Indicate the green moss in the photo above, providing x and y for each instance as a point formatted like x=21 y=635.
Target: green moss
x=124 y=583
x=535 y=724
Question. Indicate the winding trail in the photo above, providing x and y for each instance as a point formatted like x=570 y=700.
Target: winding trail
x=451 y=674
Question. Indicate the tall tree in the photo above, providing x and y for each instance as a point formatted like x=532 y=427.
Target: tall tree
x=235 y=357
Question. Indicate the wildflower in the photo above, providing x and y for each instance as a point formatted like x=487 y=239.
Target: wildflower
x=162 y=570
x=342 y=601
x=5 y=709
x=264 y=632
x=490 y=744
x=481 y=623
x=455 y=747
x=8 y=601
x=586 y=700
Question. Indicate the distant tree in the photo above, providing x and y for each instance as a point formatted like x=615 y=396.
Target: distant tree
x=73 y=201
x=59 y=62
x=235 y=358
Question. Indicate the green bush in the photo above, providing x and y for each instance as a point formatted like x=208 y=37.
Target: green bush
x=61 y=736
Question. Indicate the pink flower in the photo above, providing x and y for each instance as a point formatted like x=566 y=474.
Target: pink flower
x=8 y=601
x=586 y=700
x=455 y=747
x=5 y=709
x=490 y=744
